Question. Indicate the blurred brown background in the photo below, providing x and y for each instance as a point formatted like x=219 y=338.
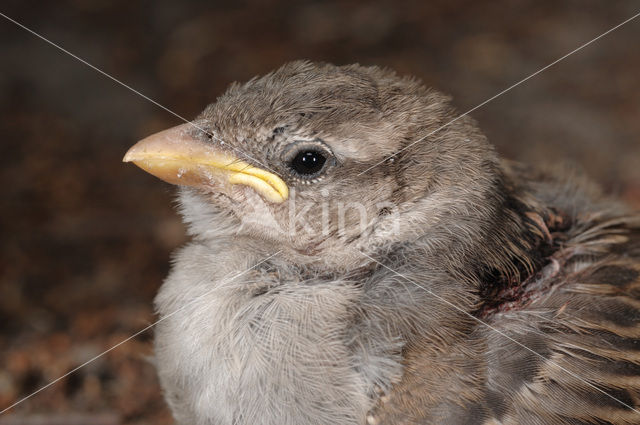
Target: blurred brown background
x=86 y=240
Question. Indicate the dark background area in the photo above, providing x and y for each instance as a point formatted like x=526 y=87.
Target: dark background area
x=86 y=239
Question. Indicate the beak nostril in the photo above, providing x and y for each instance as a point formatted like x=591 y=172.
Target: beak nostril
x=208 y=134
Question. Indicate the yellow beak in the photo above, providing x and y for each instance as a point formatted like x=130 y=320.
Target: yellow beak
x=176 y=157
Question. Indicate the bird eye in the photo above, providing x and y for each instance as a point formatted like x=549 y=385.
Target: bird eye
x=308 y=162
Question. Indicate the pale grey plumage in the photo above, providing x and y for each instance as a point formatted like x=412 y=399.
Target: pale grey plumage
x=318 y=332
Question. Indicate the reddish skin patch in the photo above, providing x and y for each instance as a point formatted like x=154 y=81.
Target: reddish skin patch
x=522 y=293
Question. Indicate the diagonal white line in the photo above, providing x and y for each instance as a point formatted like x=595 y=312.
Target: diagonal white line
x=213 y=136
x=482 y=322
x=136 y=334
x=504 y=91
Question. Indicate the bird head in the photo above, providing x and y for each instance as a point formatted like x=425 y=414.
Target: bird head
x=322 y=162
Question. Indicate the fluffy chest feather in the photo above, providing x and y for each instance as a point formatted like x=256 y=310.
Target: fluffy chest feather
x=263 y=348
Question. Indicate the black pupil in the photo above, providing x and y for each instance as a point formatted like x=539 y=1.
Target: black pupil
x=308 y=162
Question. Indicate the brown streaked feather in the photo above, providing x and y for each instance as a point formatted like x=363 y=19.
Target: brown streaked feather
x=579 y=312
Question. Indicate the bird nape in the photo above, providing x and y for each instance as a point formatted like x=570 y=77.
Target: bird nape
x=359 y=255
